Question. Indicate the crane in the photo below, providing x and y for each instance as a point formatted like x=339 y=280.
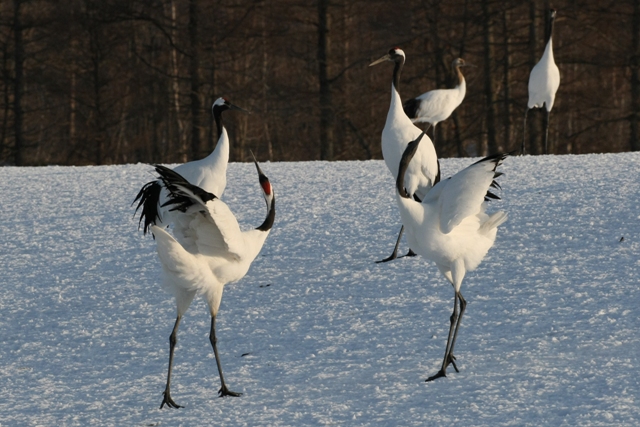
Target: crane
x=204 y=255
x=209 y=173
x=450 y=227
x=424 y=170
x=544 y=81
x=438 y=104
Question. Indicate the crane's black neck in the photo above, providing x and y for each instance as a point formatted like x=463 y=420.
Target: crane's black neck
x=397 y=70
x=408 y=154
x=459 y=76
x=271 y=216
x=552 y=20
x=217 y=115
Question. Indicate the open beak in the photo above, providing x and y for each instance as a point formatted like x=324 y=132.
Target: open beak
x=387 y=57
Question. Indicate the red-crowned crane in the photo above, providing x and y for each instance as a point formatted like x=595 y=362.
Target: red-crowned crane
x=437 y=105
x=424 y=171
x=450 y=227
x=544 y=81
x=208 y=252
x=209 y=173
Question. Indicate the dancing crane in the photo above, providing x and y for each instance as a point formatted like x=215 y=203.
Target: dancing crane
x=424 y=171
x=209 y=252
x=438 y=104
x=209 y=173
x=544 y=81
x=450 y=227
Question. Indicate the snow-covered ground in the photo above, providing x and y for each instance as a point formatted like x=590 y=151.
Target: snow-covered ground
x=317 y=333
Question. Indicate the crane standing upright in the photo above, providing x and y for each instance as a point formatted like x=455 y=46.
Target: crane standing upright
x=424 y=171
x=437 y=105
x=209 y=173
x=544 y=81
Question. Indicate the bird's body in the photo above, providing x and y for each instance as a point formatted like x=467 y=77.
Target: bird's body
x=437 y=105
x=207 y=252
x=450 y=226
x=423 y=171
x=209 y=173
x=544 y=82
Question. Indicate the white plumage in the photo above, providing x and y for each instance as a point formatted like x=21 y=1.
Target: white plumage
x=544 y=81
x=423 y=171
x=437 y=105
x=209 y=173
x=207 y=251
x=450 y=227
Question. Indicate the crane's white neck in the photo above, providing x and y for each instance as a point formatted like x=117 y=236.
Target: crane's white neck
x=548 y=51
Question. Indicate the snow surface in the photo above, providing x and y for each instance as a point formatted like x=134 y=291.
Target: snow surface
x=317 y=333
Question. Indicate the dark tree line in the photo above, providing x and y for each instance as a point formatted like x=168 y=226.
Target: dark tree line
x=114 y=81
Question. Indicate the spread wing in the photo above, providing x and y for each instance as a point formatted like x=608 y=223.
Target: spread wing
x=463 y=194
x=206 y=221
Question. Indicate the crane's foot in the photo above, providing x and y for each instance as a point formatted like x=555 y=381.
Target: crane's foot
x=451 y=360
x=441 y=373
x=409 y=254
x=224 y=391
x=167 y=400
x=389 y=258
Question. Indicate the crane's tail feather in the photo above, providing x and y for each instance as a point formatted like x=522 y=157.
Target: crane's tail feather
x=182 y=194
x=149 y=199
x=494 y=221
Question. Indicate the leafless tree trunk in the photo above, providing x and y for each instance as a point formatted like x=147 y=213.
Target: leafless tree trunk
x=489 y=84
x=18 y=84
x=634 y=117
x=325 y=96
x=194 y=74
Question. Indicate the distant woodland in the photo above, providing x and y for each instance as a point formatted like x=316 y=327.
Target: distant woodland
x=92 y=82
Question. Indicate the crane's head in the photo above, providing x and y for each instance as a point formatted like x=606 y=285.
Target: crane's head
x=552 y=14
x=269 y=198
x=459 y=62
x=394 y=55
x=265 y=184
x=222 y=104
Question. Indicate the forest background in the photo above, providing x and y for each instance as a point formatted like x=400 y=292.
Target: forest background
x=119 y=81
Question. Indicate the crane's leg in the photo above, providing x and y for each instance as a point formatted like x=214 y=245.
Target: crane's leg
x=173 y=340
x=524 y=132
x=448 y=350
x=434 y=135
x=463 y=307
x=394 y=255
x=224 y=391
x=546 y=132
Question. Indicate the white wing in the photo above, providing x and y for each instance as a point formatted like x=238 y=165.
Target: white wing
x=463 y=194
x=217 y=232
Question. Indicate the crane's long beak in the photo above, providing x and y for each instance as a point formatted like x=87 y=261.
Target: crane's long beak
x=256 y=163
x=235 y=107
x=469 y=65
x=387 y=57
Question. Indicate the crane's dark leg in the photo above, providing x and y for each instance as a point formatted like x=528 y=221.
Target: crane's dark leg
x=546 y=132
x=394 y=255
x=524 y=132
x=463 y=307
x=448 y=353
x=173 y=340
x=224 y=391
